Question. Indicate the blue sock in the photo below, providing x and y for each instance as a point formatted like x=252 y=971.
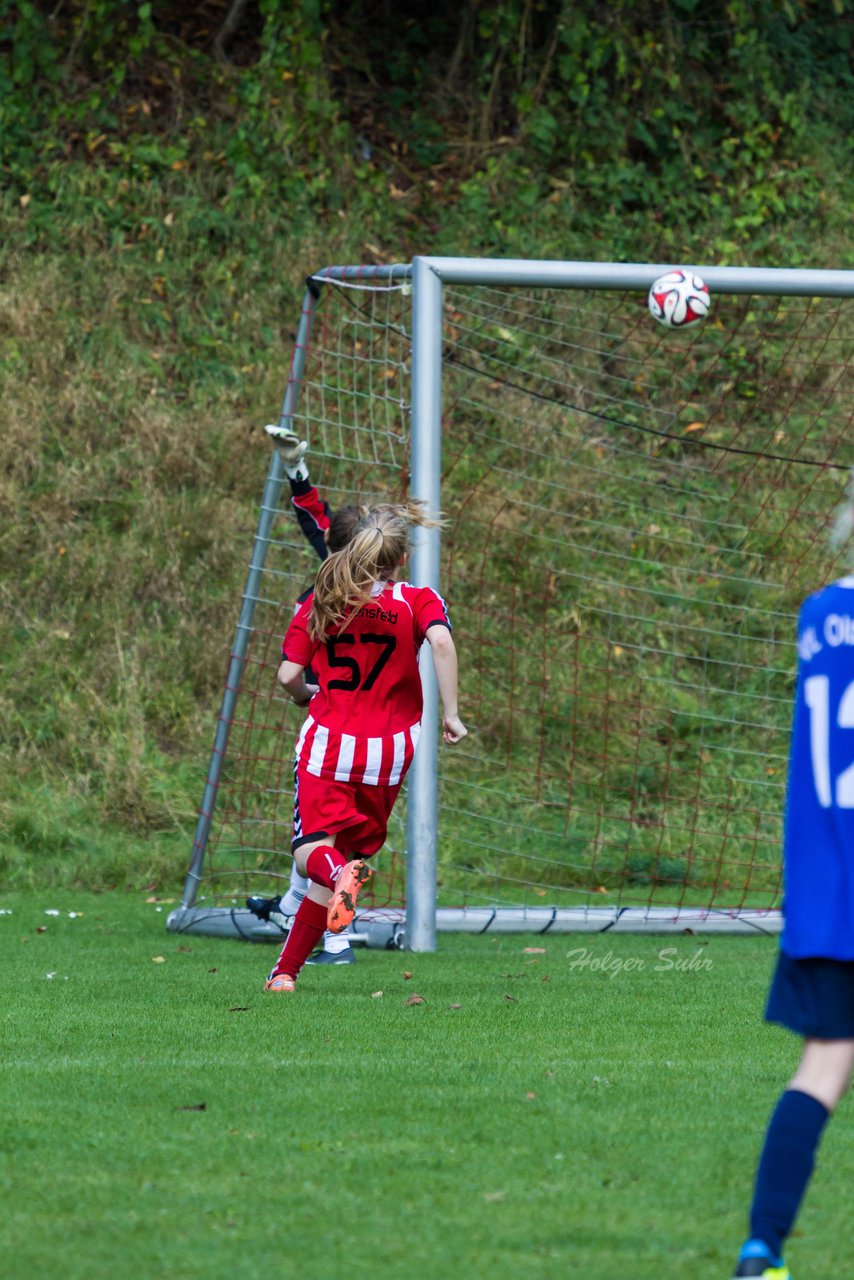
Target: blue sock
x=785 y=1166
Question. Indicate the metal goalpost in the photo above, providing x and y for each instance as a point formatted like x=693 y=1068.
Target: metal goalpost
x=428 y=277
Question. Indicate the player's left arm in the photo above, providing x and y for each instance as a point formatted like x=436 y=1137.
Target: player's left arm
x=433 y=625
x=291 y=677
x=445 y=663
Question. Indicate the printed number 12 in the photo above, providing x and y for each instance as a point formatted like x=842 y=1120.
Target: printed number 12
x=817 y=695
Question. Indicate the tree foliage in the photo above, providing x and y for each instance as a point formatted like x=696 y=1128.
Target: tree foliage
x=633 y=110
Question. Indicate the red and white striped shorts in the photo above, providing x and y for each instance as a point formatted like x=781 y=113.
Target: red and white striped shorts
x=358 y=811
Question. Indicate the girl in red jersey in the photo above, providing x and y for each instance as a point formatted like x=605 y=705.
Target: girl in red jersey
x=360 y=632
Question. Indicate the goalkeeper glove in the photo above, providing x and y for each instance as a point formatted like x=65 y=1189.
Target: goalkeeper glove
x=292 y=451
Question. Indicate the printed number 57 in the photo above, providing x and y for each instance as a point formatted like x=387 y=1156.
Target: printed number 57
x=817 y=695
x=386 y=645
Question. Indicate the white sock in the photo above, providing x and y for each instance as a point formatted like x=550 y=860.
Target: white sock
x=335 y=943
x=298 y=882
x=290 y=901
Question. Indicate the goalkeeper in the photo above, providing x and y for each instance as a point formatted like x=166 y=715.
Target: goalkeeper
x=812 y=992
x=326 y=533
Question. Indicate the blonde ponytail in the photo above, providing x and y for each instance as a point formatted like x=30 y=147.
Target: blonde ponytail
x=377 y=548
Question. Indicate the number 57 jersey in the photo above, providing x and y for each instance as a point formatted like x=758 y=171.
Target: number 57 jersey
x=363 y=725
x=819 y=840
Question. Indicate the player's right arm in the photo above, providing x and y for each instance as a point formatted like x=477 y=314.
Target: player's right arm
x=291 y=677
x=313 y=513
x=297 y=652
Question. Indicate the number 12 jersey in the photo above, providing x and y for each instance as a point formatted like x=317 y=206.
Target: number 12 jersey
x=819 y=839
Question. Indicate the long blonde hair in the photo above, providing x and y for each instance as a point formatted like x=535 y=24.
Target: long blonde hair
x=377 y=548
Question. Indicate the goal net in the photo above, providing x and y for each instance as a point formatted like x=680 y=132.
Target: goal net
x=634 y=516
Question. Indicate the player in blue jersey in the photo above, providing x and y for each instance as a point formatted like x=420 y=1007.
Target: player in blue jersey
x=326 y=532
x=812 y=992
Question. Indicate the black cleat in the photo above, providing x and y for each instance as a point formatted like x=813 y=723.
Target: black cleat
x=268 y=909
x=261 y=907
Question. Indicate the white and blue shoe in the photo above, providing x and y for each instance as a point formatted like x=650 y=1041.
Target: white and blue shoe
x=346 y=956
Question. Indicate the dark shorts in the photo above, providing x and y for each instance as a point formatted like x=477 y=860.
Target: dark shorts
x=324 y=807
x=813 y=997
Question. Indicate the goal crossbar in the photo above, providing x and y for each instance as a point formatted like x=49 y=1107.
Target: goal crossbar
x=804 y=282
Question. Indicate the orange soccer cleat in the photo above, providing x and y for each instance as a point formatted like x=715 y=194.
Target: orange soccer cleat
x=280 y=982
x=342 y=904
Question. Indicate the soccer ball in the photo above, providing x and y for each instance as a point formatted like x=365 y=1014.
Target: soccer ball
x=679 y=300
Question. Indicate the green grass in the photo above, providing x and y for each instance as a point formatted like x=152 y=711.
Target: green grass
x=560 y=1121
x=54 y=836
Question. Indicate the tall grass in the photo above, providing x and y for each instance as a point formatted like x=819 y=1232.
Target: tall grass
x=135 y=378
x=144 y=339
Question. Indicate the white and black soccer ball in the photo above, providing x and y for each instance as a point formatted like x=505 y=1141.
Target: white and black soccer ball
x=679 y=299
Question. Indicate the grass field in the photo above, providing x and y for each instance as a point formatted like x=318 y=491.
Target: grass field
x=536 y=1116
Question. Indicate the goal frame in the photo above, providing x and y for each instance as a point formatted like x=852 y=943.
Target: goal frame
x=428 y=276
